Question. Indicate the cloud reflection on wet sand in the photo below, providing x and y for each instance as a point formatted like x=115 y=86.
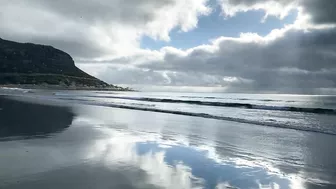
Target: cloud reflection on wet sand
x=105 y=152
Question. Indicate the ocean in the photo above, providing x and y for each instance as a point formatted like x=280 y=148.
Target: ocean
x=107 y=139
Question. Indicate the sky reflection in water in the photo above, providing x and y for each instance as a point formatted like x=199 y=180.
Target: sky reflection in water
x=174 y=163
x=113 y=148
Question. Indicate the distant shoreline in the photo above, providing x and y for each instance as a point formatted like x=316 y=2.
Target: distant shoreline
x=59 y=87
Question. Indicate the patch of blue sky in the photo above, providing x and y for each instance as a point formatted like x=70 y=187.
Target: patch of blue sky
x=214 y=25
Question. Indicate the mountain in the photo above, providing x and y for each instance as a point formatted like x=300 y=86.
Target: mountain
x=41 y=65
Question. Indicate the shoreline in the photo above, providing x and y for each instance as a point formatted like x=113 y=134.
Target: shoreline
x=51 y=131
x=59 y=87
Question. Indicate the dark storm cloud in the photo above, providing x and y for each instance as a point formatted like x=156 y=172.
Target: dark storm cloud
x=299 y=61
x=310 y=51
x=290 y=60
x=322 y=11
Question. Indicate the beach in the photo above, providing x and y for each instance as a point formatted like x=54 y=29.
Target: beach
x=70 y=139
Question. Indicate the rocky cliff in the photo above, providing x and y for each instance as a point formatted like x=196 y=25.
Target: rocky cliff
x=27 y=63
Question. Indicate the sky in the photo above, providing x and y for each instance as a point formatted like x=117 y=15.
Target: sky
x=248 y=46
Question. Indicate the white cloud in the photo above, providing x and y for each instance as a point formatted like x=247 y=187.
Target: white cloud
x=104 y=37
x=97 y=29
x=279 y=8
x=286 y=60
x=312 y=12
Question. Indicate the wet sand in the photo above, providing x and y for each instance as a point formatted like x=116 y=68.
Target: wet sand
x=82 y=146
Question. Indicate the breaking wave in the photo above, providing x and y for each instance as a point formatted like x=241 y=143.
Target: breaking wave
x=203 y=115
x=228 y=104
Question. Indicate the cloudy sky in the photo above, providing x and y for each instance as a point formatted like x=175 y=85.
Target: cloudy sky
x=282 y=46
